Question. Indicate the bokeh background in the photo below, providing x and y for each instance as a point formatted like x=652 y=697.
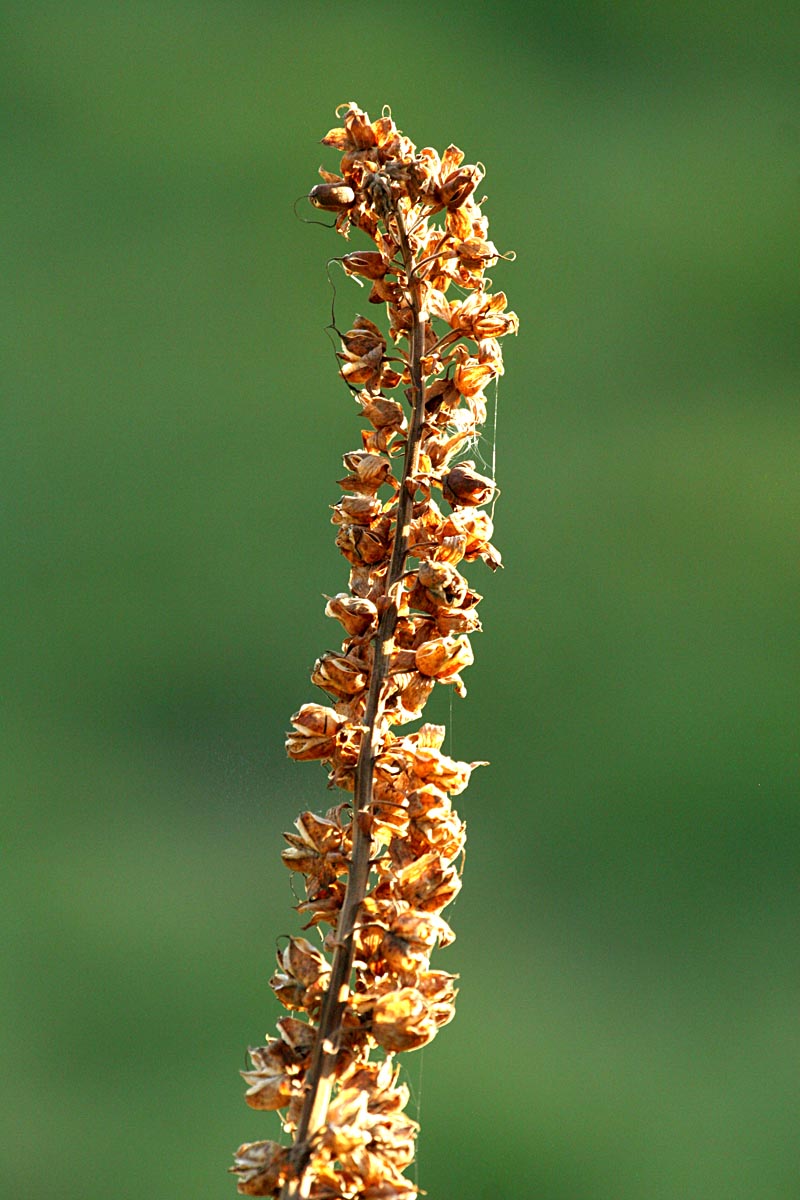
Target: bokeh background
x=173 y=426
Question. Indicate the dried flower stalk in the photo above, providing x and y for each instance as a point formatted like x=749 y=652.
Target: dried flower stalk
x=380 y=868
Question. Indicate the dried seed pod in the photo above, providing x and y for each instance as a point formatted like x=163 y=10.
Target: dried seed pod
x=444 y=658
x=314 y=736
x=462 y=486
x=272 y=1083
x=362 y=546
x=383 y=413
x=369 y=263
x=481 y=316
x=402 y=1020
x=442 y=583
x=298 y=1035
x=451 y=621
x=369 y=471
x=317 y=849
x=364 y=338
x=324 y=903
x=413 y=696
x=356 y=614
x=339 y=674
x=356 y=510
x=459 y=185
x=471 y=376
x=303 y=961
x=428 y=883
x=262 y=1168
x=334 y=197
x=302 y=977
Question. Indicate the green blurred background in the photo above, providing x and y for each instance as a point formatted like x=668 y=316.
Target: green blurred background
x=173 y=427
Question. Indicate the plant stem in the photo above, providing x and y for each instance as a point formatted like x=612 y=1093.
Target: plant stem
x=320 y=1076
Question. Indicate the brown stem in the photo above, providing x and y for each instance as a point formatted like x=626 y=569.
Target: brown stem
x=321 y=1072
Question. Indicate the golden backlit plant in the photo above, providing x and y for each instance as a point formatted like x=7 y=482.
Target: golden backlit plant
x=380 y=866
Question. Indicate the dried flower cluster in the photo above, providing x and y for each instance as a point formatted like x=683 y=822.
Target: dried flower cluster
x=380 y=867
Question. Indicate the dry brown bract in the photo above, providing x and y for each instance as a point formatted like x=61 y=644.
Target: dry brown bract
x=380 y=867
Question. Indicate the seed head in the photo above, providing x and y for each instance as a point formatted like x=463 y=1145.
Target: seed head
x=379 y=868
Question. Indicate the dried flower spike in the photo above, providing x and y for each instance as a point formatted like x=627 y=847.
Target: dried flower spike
x=380 y=866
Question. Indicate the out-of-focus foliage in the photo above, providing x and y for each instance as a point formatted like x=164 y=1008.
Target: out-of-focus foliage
x=627 y=931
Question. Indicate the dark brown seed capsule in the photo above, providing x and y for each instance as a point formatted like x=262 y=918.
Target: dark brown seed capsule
x=334 y=197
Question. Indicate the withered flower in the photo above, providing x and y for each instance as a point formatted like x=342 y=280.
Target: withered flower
x=471 y=376
x=339 y=674
x=315 y=730
x=355 y=613
x=444 y=658
x=379 y=868
x=319 y=847
x=369 y=263
x=262 y=1168
x=401 y=1020
x=459 y=185
x=463 y=486
x=275 y=1076
x=302 y=976
x=369 y=471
